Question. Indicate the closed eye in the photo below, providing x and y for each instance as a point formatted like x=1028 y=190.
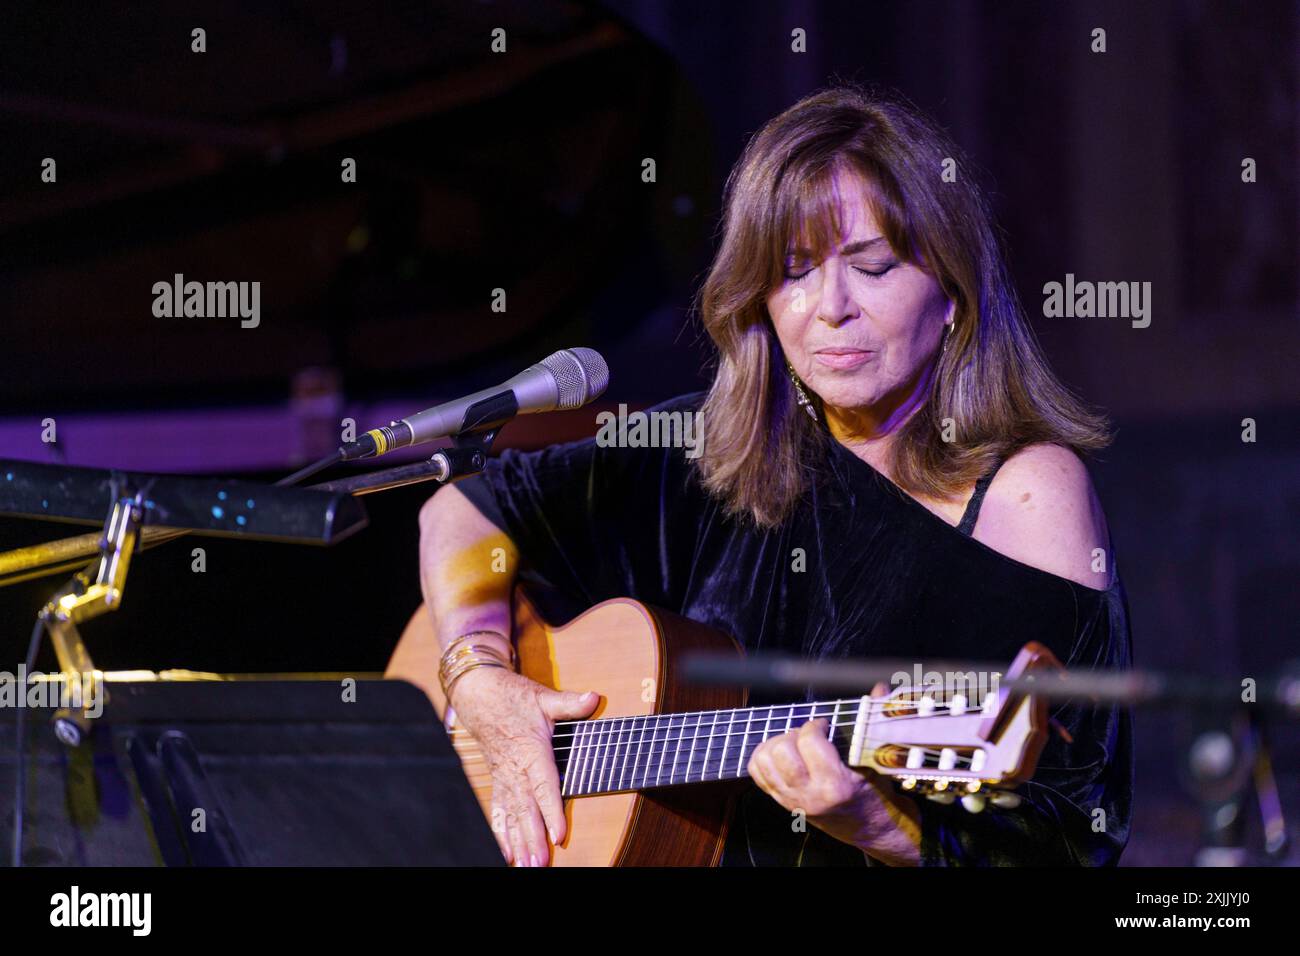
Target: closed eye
x=869 y=273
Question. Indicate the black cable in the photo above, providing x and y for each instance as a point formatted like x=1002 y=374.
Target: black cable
x=20 y=748
x=297 y=476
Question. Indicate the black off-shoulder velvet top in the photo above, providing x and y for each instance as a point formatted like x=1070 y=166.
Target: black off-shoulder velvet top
x=881 y=576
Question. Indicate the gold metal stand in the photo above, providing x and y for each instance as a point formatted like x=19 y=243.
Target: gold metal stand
x=95 y=590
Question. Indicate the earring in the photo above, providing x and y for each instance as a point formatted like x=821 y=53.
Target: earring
x=800 y=395
x=949 y=326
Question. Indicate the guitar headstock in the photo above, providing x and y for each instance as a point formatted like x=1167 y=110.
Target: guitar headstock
x=938 y=742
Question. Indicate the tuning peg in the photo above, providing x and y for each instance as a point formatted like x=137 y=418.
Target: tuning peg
x=943 y=796
x=1005 y=800
x=973 y=802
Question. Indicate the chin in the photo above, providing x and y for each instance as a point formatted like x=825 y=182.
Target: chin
x=845 y=394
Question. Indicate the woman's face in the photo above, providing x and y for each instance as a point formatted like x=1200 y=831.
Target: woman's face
x=862 y=327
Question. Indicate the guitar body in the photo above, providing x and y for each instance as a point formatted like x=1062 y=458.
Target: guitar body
x=626 y=652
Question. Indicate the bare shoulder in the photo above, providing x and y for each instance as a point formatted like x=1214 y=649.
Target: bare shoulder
x=1041 y=509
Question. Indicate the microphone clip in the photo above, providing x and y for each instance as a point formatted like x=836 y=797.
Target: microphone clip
x=466 y=456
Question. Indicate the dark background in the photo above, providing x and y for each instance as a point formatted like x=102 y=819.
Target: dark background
x=522 y=170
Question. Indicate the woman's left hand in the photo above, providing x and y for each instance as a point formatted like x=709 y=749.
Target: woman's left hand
x=802 y=771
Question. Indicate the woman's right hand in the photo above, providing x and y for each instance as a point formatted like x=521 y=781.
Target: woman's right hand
x=512 y=719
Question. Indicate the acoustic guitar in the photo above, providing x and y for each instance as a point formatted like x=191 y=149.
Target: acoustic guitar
x=644 y=777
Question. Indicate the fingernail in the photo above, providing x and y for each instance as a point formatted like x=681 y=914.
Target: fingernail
x=532 y=860
x=551 y=833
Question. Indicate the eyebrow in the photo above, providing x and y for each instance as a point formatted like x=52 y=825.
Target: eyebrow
x=849 y=250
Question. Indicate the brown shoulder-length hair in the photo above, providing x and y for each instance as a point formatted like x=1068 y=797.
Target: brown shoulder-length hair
x=992 y=380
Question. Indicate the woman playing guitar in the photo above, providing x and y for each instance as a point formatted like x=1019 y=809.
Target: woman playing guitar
x=889 y=468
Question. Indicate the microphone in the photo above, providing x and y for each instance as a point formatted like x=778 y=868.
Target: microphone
x=568 y=378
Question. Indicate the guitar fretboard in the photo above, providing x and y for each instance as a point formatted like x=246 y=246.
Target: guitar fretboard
x=639 y=753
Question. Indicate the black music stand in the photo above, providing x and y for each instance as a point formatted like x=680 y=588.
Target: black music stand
x=249 y=772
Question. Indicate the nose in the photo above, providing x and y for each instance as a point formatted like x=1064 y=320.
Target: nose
x=835 y=306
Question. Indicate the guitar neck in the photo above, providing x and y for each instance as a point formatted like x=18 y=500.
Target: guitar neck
x=639 y=753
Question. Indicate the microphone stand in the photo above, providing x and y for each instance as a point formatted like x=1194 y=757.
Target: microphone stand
x=466 y=456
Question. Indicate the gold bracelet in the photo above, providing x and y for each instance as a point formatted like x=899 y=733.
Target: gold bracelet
x=462 y=656
x=449 y=680
x=468 y=634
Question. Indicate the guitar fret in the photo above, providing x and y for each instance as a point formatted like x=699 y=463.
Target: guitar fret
x=570 y=770
x=675 y=736
x=690 y=757
x=767 y=726
x=648 y=749
x=746 y=729
x=682 y=732
x=579 y=756
x=629 y=729
x=602 y=738
x=663 y=730
x=708 y=746
x=616 y=760
x=616 y=737
x=726 y=745
x=683 y=739
x=664 y=724
x=654 y=749
x=653 y=724
x=606 y=739
x=622 y=777
x=567 y=758
x=694 y=740
x=593 y=754
x=701 y=733
x=744 y=744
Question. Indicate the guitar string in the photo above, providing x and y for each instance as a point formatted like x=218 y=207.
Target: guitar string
x=606 y=737
x=607 y=723
x=607 y=727
x=602 y=752
x=712 y=769
x=722 y=768
x=878 y=703
x=718 y=770
x=603 y=749
x=597 y=743
x=764 y=713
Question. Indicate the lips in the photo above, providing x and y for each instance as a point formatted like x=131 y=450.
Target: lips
x=841 y=358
